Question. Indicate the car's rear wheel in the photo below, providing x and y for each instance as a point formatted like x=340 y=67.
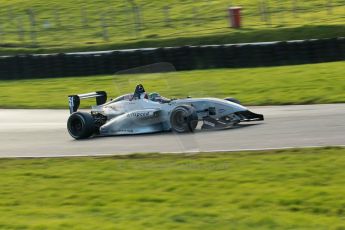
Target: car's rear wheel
x=80 y=125
x=183 y=119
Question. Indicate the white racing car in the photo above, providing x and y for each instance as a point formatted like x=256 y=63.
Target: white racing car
x=139 y=112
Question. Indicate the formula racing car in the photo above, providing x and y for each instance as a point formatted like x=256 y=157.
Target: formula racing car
x=139 y=112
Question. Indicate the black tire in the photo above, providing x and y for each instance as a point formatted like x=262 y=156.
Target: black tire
x=234 y=100
x=183 y=119
x=80 y=125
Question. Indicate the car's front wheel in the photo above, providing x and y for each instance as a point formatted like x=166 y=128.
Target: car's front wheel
x=183 y=119
x=80 y=125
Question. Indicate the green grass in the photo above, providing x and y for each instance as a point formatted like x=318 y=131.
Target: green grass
x=300 y=84
x=64 y=25
x=230 y=37
x=285 y=189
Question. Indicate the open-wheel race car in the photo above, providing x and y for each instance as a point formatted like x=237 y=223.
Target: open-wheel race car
x=139 y=112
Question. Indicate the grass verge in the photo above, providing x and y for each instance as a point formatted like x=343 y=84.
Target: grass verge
x=282 y=189
x=245 y=35
x=61 y=25
x=300 y=84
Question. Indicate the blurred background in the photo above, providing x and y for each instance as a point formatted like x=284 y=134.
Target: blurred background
x=82 y=23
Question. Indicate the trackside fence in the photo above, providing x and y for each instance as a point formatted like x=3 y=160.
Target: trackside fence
x=85 y=22
x=183 y=58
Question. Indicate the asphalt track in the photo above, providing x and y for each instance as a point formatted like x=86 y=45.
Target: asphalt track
x=42 y=133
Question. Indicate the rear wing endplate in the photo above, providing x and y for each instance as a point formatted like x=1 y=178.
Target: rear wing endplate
x=74 y=100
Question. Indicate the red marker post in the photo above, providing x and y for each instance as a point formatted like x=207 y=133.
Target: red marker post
x=235 y=17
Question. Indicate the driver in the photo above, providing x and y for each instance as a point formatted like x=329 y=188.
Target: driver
x=139 y=92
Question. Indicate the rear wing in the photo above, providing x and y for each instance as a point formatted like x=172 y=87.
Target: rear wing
x=74 y=100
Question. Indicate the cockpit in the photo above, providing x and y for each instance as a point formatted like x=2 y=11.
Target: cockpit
x=140 y=93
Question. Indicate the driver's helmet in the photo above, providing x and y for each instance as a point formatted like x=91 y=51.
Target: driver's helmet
x=139 y=92
x=155 y=96
x=139 y=89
